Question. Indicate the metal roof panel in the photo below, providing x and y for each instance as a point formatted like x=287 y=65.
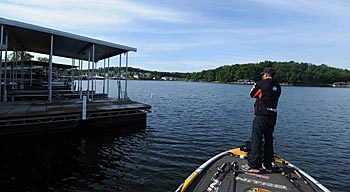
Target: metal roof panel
x=33 y=38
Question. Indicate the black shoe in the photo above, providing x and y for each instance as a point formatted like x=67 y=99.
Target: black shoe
x=268 y=169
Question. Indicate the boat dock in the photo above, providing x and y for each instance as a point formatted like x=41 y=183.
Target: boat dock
x=24 y=118
x=39 y=97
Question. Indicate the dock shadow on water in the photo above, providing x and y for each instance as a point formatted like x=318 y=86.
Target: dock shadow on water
x=61 y=161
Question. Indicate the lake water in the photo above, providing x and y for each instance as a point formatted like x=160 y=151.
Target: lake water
x=190 y=123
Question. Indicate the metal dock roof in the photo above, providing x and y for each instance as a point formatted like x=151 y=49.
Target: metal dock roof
x=33 y=38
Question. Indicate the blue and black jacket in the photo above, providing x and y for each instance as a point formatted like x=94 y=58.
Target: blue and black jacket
x=267 y=93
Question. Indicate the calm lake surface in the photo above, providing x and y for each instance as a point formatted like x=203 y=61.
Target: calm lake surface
x=190 y=123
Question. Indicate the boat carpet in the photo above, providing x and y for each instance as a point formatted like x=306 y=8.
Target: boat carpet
x=226 y=174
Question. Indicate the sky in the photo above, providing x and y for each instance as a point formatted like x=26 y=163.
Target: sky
x=191 y=36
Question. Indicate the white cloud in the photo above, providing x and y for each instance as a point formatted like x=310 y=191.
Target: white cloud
x=57 y=18
x=173 y=46
x=76 y=14
x=323 y=8
x=207 y=30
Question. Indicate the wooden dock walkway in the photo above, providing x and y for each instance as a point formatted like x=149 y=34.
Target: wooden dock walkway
x=39 y=116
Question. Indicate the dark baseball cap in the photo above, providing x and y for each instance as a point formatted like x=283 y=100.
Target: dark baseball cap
x=269 y=70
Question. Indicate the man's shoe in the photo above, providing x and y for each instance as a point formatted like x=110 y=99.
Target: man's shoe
x=268 y=170
x=249 y=169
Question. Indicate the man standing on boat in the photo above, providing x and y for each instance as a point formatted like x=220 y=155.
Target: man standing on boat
x=267 y=93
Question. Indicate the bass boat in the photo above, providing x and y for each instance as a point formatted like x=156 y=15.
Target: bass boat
x=225 y=172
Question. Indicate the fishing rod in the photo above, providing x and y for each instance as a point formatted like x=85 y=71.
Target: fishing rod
x=224 y=169
x=235 y=174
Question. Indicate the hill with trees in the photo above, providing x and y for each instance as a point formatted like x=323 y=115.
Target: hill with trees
x=291 y=72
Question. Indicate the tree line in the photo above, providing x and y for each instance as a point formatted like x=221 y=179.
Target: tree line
x=294 y=73
x=157 y=74
x=291 y=72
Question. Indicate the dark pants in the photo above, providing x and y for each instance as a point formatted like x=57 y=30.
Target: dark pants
x=262 y=126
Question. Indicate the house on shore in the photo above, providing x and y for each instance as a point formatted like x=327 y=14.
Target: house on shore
x=341 y=84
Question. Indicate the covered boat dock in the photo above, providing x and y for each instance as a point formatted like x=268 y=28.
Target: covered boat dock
x=73 y=105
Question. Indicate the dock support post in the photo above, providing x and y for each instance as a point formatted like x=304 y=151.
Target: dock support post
x=93 y=71
x=80 y=78
x=108 y=79
x=15 y=72
x=88 y=78
x=83 y=115
x=72 y=78
x=31 y=74
x=22 y=76
x=1 y=44
x=50 y=70
x=126 y=76
x=119 y=76
x=5 y=72
x=12 y=73
x=12 y=64
x=104 y=76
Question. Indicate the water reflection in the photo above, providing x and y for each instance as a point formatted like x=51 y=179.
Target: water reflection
x=62 y=161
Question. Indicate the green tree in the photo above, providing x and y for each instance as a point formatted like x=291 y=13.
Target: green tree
x=43 y=59
x=17 y=56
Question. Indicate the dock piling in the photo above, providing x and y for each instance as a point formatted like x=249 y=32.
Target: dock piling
x=108 y=79
x=50 y=70
x=5 y=71
x=1 y=44
x=104 y=76
x=126 y=76
x=93 y=71
x=88 y=78
x=84 y=108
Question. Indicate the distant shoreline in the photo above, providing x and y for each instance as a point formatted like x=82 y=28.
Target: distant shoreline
x=239 y=83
